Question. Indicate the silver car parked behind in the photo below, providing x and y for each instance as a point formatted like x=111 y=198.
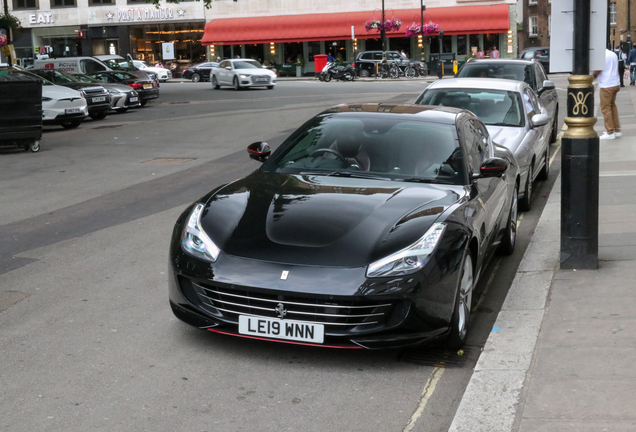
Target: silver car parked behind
x=513 y=116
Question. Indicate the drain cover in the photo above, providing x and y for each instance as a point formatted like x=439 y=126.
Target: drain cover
x=169 y=160
x=438 y=357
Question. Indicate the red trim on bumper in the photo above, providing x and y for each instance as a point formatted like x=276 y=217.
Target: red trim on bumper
x=284 y=341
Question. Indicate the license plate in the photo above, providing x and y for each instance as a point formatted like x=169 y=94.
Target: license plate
x=72 y=110
x=275 y=328
x=99 y=99
x=262 y=80
x=147 y=85
x=134 y=99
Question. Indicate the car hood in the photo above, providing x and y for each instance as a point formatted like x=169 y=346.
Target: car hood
x=509 y=137
x=251 y=71
x=60 y=92
x=321 y=220
x=120 y=87
x=84 y=86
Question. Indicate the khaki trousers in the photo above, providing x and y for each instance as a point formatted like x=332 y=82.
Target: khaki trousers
x=609 y=110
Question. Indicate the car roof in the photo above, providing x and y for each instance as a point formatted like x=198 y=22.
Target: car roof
x=479 y=83
x=501 y=61
x=437 y=114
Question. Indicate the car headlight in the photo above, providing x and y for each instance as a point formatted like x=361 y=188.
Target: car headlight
x=245 y=75
x=115 y=91
x=409 y=259
x=194 y=241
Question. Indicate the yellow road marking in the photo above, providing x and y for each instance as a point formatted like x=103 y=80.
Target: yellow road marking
x=429 y=388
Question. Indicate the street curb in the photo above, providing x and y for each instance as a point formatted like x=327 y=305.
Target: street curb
x=493 y=395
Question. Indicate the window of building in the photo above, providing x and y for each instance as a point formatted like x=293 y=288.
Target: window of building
x=462 y=45
x=532 y=2
x=25 y=4
x=549 y=25
x=100 y=2
x=612 y=12
x=62 y=3
x=533 y=27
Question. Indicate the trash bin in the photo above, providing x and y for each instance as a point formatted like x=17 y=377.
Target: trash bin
x=21 y=108
x=320 y=60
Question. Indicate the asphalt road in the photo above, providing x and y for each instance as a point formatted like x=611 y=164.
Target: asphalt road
x=87 y=338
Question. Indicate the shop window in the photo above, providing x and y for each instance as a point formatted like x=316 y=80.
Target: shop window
x=25 y=4
x=100 y=2
x=254 y=52
x=313 y=49
x=63 y=3
x=474 y=43
x=462 y=46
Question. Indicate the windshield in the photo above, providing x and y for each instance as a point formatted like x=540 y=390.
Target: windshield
x=493 y=107
x=515 y=72
x=56 y=76
x=115 y=64
x=86 y=78
x=386 y=146
x=15 y=72
x=247 y=64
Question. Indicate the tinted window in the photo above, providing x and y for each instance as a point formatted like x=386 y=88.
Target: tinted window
x=90 y=67
x=393 y=56
x=494 y=107
x=247 y=64
x=528 y=55
x=366 y=56
x=377 y=56
x=224 y=64
x=388 y=146
x=472 y=140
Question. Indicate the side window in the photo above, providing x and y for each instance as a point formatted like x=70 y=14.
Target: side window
x=377 y=56
x=394 y=56
x=484 y=144
x=224 y=64
x=528 y=55
x=90 y=67
x=366 y=56
x=528 y=76
x=472 y=141
x=532 y=105
x=540 y=74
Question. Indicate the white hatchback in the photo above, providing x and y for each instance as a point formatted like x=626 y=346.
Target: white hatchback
x=241 y=73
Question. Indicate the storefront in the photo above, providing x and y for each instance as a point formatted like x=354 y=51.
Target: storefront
x=287 y=39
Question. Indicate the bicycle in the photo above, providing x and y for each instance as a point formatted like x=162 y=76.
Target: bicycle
x=388 y=70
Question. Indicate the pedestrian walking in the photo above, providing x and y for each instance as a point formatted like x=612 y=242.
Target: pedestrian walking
x=494 y=53
x=621 y=65
x=631 y=61
x=609 y=85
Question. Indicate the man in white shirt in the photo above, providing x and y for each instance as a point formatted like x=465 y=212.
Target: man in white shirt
x=609 y=85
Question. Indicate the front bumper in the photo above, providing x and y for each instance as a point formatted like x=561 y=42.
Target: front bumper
x=257 y=81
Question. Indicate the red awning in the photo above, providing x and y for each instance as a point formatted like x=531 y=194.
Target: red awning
x=337 y=26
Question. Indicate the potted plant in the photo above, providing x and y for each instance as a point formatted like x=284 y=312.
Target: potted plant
x=300 y=62
x=8 y=21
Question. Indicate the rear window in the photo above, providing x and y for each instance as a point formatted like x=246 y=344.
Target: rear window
x=515 y=72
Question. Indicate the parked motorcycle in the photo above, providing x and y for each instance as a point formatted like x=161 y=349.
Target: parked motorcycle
x=344 y=73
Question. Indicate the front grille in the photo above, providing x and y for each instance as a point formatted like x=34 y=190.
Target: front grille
x=339 y=317
x=94 y=91
x=261 y=79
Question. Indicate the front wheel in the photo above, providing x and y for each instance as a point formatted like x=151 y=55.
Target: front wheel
x=423 y=73
x=394 y=72
x=463 y=304
x=328 y=77
x=409 y=72
x=507 y=246
x=270 y=87
x=235 y=84
x=526 y=202
x=34 y=146
x=71 y=124
x=99 y=116
x=364 y=73
x=215 y=83
x=143 y=103
x=196 y=77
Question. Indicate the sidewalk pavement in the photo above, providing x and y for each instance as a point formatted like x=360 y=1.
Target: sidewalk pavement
x=562 y=354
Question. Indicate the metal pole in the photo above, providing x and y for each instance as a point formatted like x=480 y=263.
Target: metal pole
x=580 y=156
x=422 y=9
x=629 y=23
x=383 y=35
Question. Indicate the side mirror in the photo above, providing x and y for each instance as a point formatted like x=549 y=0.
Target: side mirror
x=228 y=67
x=492 y=167
x=259 y=151
x=547 y=85
x=539 y=120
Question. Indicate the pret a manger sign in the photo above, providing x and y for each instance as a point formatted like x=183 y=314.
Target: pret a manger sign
x=145 y=14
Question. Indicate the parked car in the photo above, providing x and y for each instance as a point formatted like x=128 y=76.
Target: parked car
x=118 y=63
x=367 y=228
x=83 y=64
x=146 y=88
x=97 y=97
x=60 y=105
x=199 y=72
x=529 y=71
x=366 y=61
x=21 y=108
x=122 y=96
x=541 y=54
x=163 y=74
x=242 y=73
x=513 y=116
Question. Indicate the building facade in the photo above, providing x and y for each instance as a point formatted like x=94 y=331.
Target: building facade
x=273 y=31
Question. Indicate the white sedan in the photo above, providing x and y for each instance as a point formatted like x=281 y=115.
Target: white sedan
x=241 y=73
x=163 y=74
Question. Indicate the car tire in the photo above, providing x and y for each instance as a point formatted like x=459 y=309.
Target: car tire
x=196 y=77
x=215 y=83
x=525 y=203
x=507 y=245
x=235 y=84
x=555 y=126
x=270 y=87
x=463 y=305
x=545 y=171
x=99 y=116
x=34 y=146
x=71 y=124
x=143 y=103
x=121 y=111
x=364 y=73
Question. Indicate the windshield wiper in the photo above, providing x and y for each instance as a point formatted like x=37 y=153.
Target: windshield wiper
x=344 y=174
x=502 y=124
x=420 y=180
